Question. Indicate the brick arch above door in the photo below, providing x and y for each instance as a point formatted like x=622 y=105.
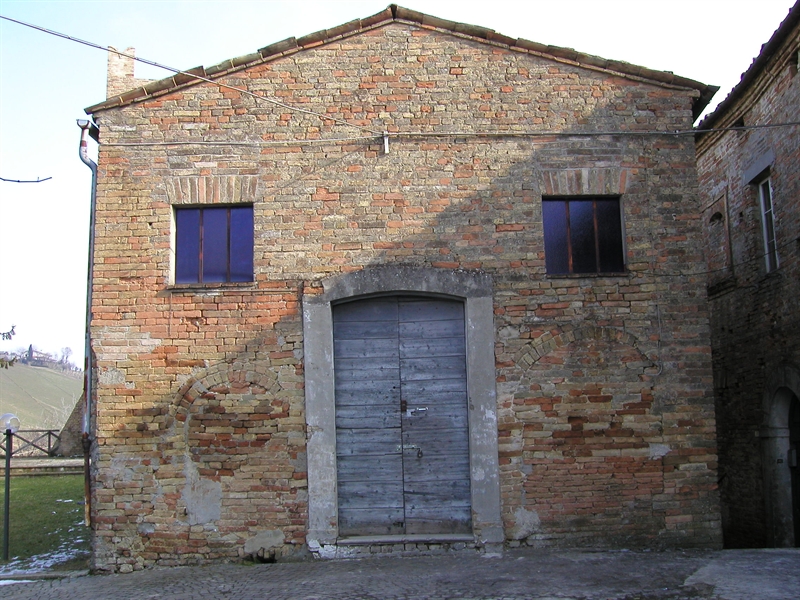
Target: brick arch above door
x=475 y=290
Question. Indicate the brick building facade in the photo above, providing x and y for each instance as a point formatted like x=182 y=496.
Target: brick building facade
x=508 y=215
x=750 y=182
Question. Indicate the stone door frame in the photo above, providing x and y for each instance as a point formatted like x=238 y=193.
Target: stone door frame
x=475 y=289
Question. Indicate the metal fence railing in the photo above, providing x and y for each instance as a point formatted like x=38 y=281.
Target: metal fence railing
x=33 y=442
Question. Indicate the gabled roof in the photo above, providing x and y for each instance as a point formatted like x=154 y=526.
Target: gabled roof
x=768 y=52
x=397 y=13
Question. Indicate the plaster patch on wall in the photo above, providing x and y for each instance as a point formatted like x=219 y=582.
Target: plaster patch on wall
x=508 y=333
x=203 y=497
x=331 y=551
x=121 y=469
x=121 y=343
x=659 y=450
x=111 y=377
x=526 y=522
x=266 y=540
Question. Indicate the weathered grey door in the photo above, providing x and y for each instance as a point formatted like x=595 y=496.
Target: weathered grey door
x=401 y=416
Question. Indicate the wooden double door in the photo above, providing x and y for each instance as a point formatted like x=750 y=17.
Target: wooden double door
x=402 y=436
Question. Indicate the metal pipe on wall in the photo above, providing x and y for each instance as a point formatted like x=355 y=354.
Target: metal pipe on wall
x=83 y=152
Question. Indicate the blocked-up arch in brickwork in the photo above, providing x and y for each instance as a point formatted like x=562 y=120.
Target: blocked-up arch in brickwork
x=235 y=416
x=228 y=410
x=234 y=430
x=582 y=444
x=531 y=353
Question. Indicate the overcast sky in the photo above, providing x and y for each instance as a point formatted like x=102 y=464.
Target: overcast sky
x=46 y=82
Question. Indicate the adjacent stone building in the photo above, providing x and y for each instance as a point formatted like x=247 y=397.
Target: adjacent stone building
x=400 y=285
x=750 y=181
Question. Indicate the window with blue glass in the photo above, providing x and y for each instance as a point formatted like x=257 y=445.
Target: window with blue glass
x=214 y=244
x=582 y=236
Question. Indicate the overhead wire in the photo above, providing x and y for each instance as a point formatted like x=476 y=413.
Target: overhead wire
x=242 y=144
x=193 y=75
x=393 y=135
x=37 y=180
x=732 y=266
x=375 y=132
x=448 y=134
x=619 y=132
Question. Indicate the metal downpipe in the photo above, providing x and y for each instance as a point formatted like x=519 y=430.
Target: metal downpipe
x=87 y=362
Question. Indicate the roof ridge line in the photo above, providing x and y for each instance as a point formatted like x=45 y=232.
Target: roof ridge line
x=396 y=13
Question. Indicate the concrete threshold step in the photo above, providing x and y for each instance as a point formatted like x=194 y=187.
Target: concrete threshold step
x=418 y=538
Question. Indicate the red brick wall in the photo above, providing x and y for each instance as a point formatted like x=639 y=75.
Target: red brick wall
x=606 y=415
x=754 y=315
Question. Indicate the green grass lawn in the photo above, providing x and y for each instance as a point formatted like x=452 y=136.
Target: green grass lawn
x=47 y=527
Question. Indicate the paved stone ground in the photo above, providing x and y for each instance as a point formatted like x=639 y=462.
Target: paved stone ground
x=520 y=574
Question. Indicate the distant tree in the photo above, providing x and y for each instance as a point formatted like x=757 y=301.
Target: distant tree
x=6 y=362
x=65 y=354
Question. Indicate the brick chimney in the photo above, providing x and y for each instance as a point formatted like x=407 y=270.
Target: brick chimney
x=120 y=72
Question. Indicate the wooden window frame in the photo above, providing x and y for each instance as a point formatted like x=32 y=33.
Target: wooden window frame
x=195 y=245
x=551 y=260
x=768 y=233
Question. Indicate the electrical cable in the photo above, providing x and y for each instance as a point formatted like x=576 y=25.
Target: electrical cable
x=678 y=132
x=395 y=135
x=195 y=76
x=240 y=144
x=731 y=267
x=473 y=134
x=37 y=180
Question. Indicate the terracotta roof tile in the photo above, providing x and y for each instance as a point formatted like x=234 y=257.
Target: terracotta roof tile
x=187 y=76
x=754 y=70
x=384 y=15
x=278 y=47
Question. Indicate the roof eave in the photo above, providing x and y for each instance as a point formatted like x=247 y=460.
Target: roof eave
x=397 y=13
x=768 y=51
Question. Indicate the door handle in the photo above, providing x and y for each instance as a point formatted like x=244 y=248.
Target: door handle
x=413 y=411
x=405 y=447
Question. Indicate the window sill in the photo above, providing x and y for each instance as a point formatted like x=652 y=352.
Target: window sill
x=585 y=275
x=211 y=287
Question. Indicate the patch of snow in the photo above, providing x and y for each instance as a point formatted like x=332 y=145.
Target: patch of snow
x=41 y=562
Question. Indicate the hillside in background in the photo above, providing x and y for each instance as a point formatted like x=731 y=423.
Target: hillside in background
x=42 y=398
